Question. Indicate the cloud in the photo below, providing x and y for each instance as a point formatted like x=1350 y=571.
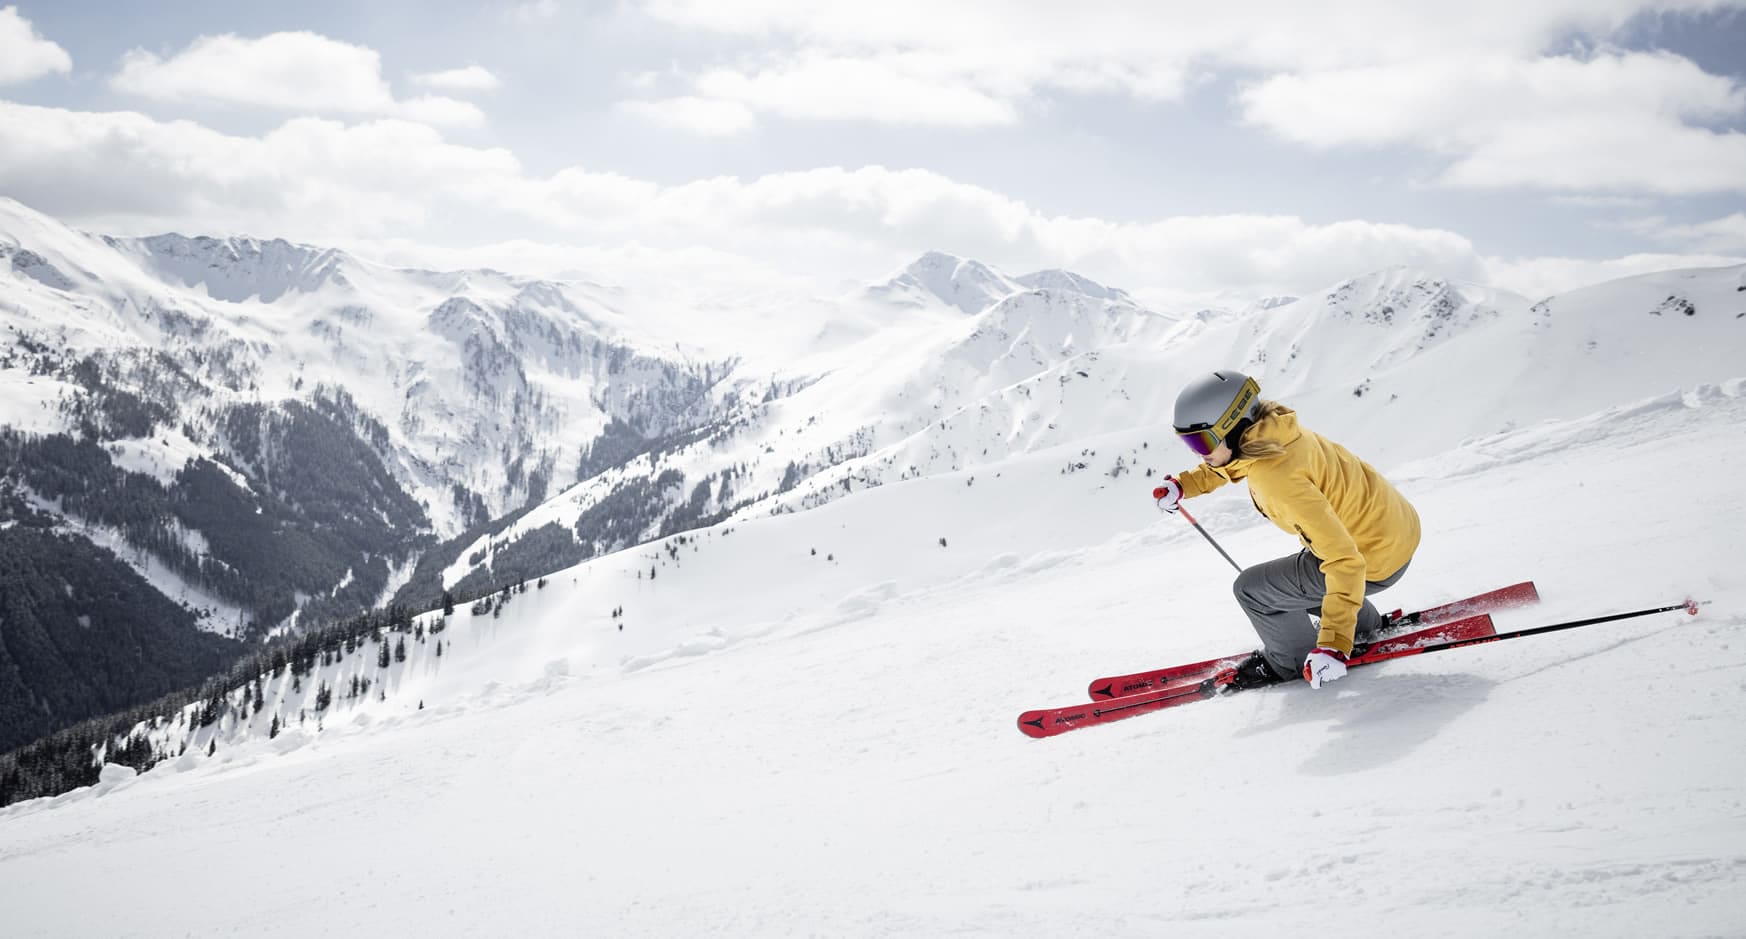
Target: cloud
x=706 y=116
x=893 y=89
x=1542 y=277
x=309 y=177
x=529 y=12
x=293 y=71
x=1610 y=122
x=1472 y=84
x=1260 y=35
x=23 y=54
x=443 y=112
x=471 y=78
x=927 y=88
x=394 y=181
x=692 y=271
x=1718 y=235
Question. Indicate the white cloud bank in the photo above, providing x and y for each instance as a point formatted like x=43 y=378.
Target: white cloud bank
x=1608 y=122
x=24 y=55
x=300 y=72
x=394 y=181
x=1725 y=234
x=1472 y=83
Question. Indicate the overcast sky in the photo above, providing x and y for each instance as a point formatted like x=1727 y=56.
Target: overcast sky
x=1186 y=151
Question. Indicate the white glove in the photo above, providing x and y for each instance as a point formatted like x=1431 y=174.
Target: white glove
x=1323 y=665
x=1169 y=495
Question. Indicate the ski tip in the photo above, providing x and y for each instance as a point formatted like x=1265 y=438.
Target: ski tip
x=1106 y=690
x=1030 y=723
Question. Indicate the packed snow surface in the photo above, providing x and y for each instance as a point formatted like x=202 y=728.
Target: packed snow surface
x=780 y=742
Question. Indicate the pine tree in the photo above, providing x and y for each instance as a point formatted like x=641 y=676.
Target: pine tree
x=212 y=747
x=382 y=655
x=273 y=731
x=439 y=650
x=448 y=603
x=400 y=649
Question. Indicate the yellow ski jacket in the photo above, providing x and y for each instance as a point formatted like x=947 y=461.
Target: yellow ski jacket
x=1355 y=522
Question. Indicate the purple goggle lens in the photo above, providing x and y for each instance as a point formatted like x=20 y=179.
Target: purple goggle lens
x=1203 y=442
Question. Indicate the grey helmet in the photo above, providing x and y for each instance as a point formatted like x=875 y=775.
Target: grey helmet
x=1210 y=408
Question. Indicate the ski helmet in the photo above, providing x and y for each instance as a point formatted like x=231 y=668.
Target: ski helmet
x=1210 y=408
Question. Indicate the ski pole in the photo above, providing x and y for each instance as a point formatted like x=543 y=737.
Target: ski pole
x=1209 y=538
x=1690 y=606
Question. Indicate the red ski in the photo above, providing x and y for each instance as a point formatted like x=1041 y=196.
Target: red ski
x=1472 y=631
x=1503 y=598
x=1052 y=721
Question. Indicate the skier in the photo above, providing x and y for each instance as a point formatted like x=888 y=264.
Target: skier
x=1358 y=533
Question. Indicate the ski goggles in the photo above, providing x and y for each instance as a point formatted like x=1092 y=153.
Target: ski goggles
x=1202 y=441
x=1205 y=438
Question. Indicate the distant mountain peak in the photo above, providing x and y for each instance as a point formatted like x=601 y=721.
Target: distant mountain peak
x=972 y=286
x=1057 y=279
x=240 y=268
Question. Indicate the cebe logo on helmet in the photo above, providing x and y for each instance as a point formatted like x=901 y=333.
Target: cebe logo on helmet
x=1199 y=400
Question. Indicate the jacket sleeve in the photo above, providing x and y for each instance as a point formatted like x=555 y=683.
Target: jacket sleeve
x=1200 y=481
x=1342 y=563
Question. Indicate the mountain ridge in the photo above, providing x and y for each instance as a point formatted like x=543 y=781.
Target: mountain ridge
x=495 y=428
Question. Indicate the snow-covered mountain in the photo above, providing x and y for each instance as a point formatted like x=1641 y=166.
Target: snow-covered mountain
x=464 y=395
x=820 y=706
x=846 y=579
x=275 y=434
x=1041 y=369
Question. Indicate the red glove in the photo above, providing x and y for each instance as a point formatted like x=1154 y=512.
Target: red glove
x=1169 y=495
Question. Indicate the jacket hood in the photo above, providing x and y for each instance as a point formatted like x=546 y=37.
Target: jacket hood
x=1281 y=428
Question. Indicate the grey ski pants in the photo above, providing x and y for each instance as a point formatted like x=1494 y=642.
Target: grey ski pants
x=1279 y=597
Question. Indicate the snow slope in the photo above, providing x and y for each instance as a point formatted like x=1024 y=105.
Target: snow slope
x=779 y=743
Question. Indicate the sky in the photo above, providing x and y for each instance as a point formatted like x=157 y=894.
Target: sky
x=1190 y=153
